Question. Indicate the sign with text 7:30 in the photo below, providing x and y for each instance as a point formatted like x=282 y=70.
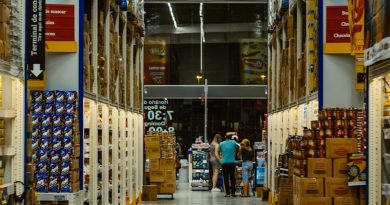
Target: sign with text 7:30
x=159 y=116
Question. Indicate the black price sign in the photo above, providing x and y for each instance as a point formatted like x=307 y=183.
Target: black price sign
x=36 y=39
x=158 y=115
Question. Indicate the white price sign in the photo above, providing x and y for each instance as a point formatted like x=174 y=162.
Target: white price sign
x=158 y=115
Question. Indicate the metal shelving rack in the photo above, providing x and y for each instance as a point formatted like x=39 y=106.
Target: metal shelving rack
x=121 y=135
x=12 y=152
x=378 y=146
x=12 y=111
x=204 y=148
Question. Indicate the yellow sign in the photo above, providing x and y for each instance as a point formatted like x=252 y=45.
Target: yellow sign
x=61 y=46
x=360 y=74
x=356 y=25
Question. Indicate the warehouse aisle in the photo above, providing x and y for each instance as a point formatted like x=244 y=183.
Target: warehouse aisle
x=184 y=196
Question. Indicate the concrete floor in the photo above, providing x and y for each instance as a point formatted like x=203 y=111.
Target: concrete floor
x=184 y=196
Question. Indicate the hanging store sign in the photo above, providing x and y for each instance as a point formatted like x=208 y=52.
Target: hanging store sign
x=156 y=61
x=158 y=115
x=35 y=39
x=337 y=24
x=60 y=22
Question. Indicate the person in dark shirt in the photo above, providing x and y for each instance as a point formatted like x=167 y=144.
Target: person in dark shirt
x=247 y=165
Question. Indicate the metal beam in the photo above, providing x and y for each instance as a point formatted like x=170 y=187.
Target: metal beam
x=214 y=91
x=210 y=1
x=208 y=28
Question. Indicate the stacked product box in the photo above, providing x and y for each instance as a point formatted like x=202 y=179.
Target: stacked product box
x=5 y=31
x=160 y=151
x=326 y=160
x=55 y=141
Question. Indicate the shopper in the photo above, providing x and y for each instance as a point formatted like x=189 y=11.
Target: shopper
x=247 y=165
x=215 y=163
x=228 y=149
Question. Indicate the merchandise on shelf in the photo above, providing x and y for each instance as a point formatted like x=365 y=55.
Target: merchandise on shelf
x=200 y=166
x=327 y=156
x=160 y=152
x=5 y=32
x=55 y=140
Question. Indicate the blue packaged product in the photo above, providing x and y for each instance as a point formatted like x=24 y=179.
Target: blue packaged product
x=65 y=168
x=49 y=96
x=57 y=132
x=60 y=96
x=43 y=155
x=46 y=119
x=68 y=131
x=54 y=185
x=56 y=119
x=37 y=96
x=67 y=143
x=48 y=108
x=54 y=168
x=59 y=108
x=70 y=108
x=44 y=144
x=66 y=155
x=36 y=130
x=34 y=157
x=56 y=144
x=55 y=157
x=36 y=120
x=65 y=183
x=37 y=108
x=41 y=168
x=69 y=120
x=35 y=144
x=46 y=132
x=41 y=182
x=71 y=96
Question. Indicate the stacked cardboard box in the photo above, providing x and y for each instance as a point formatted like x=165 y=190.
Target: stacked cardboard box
x=160 y=151
x=5 y=40
x=102 y=63
x=128 y=69
x=88 y=71
x=322 y=157
x=284 y=194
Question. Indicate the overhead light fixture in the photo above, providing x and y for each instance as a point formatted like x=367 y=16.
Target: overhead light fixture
x=173 y=16
x=201 y=22
x=199 y=77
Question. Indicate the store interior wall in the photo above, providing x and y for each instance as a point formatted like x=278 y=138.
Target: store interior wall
x=339 y=82
x=338 y=73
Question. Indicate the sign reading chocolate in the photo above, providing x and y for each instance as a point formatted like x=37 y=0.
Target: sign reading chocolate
x=337 y=25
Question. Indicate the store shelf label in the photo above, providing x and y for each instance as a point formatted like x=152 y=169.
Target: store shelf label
x=59 y=198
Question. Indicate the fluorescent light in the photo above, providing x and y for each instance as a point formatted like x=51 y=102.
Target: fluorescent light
x=173 y=16
x=201 y=9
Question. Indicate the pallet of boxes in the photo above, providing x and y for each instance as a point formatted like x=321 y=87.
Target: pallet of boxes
x=160 y=151
x=323 y=159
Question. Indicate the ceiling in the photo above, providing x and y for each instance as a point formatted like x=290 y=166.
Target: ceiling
x=218 y=17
